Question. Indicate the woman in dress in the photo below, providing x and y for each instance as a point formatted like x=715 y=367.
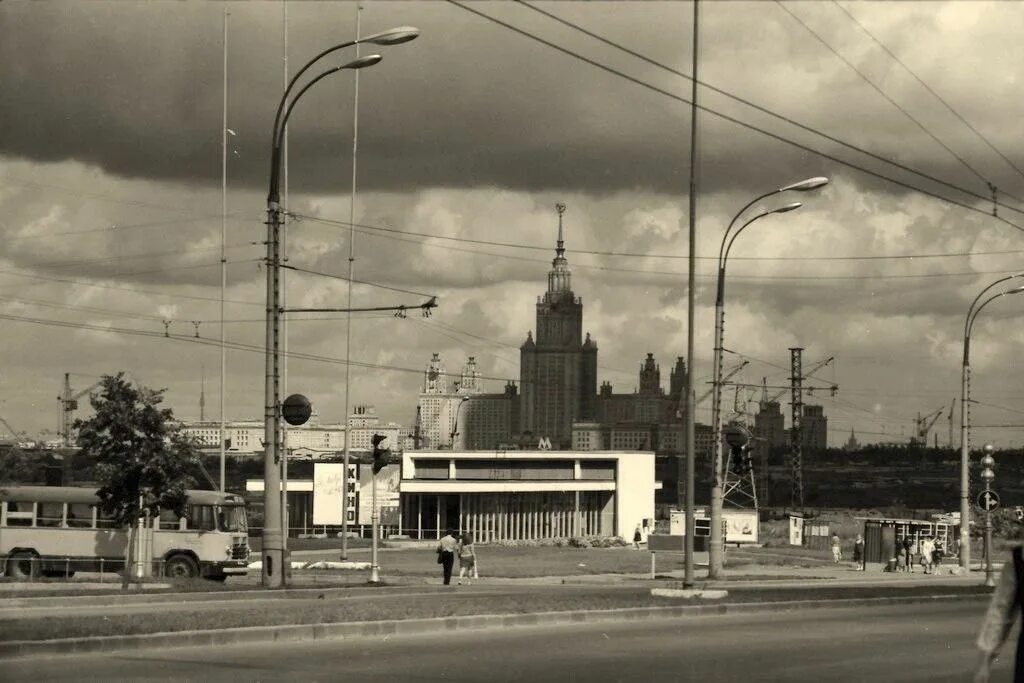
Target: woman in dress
x=467 y=559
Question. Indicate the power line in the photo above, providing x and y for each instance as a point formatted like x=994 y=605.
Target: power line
x=391 y=233
x=929 y=89
x=134 y=290
x=760 y=108
x=116 y=228
x=891 y=101
x=726 y=117
x=591 y=252
x=130 y=257
x=358 y=282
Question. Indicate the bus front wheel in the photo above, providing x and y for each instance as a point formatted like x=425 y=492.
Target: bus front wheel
x=23 y=565
x=181 y=567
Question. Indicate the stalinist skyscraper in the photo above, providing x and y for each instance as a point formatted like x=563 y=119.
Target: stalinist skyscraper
x=558 y=370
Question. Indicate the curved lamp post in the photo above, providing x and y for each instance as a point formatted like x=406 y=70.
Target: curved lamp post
x=274 y=571
x=716 y=541
x=965 y=397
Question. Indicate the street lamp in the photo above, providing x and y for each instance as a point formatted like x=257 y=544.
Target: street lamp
x=274 y=572
x=965 y=396
x=715 y=546
x=987 y=475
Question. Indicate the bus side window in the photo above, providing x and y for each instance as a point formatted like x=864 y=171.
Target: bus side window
x=169 y=520
x=79 y=515
x=50 y=514
x=20 y=513
x=200 y=518
x=103 y=520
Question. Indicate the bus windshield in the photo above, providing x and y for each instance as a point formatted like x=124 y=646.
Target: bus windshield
x=232 y=518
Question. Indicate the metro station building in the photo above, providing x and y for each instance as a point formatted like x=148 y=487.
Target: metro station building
x=525 y=495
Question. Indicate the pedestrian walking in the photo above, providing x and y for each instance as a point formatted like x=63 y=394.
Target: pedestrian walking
x=446 y=549
x=836 y=549
x=1002 y=611
x=858 y=552
x=637 y=537
x=927 y=554
x=467 y=559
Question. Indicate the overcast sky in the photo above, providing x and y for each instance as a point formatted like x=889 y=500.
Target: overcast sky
x=110 y=197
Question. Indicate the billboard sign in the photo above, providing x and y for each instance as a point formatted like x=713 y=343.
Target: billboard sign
x=327 y=493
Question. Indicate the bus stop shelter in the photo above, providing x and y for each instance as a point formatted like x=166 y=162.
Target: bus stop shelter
x=882 y=535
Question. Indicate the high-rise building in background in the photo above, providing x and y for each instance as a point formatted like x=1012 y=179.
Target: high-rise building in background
x=814 y=428
x=558 y=370
x=436 y=407
x=770 y=426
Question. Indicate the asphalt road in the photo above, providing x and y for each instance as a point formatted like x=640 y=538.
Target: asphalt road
x=914 y=642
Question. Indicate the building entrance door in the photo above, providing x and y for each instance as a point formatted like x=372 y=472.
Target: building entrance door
x=449 y=506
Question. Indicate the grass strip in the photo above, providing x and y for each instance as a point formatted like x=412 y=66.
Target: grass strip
x=444 y=604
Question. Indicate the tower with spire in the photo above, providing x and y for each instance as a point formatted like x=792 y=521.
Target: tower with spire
x=558 y=368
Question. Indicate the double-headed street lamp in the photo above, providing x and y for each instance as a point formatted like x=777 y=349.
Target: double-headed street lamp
x=965 y=397
x=716 y=544
x=274 y=572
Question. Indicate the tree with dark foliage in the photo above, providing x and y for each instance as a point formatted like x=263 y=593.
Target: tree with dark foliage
x=142 y=458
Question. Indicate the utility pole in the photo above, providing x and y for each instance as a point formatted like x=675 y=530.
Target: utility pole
x=691 y=402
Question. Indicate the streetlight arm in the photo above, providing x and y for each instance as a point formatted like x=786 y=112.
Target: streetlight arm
x=972 y=318
x=743 y=227
x=275 y=156
x=980 y=294
x=394 y=36
x=722 y=249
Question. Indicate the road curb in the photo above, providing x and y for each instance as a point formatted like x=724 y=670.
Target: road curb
x=369 y=629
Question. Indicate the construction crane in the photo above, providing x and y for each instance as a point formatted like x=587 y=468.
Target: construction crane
x=12 y=430
x=68 y=405
x=950 y=419
x=922 y=425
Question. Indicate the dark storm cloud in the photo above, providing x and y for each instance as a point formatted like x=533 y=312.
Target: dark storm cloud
x=135 y=89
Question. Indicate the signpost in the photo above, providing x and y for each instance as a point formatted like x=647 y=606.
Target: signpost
x=988 y=501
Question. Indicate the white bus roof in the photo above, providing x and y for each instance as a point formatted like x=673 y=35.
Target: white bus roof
x=78 y=494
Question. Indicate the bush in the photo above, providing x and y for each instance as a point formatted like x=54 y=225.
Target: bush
x=578 y=542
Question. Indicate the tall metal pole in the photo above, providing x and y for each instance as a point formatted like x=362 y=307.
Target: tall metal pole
x=965 y=416
x=348 y=314
x=273 y=571
x=284 y=282
x=691 y=402
x=965 y=504
x=223 y=257
x=716 y=545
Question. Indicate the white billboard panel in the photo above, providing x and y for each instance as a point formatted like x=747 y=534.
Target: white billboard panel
x=327 y=493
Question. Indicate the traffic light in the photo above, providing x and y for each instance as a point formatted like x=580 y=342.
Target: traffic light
x=380 y=455
x=741 y=461
x=737 y=437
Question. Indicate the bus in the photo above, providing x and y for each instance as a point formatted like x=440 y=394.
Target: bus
x=57 y=530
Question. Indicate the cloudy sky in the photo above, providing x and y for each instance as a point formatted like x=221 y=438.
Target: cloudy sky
x=110 y=196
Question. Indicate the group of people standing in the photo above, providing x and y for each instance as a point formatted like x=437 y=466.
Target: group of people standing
x=929 y=553
x=451 y=547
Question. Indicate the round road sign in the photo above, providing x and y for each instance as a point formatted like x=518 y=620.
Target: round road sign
x=988 y=501
x=296 y=409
